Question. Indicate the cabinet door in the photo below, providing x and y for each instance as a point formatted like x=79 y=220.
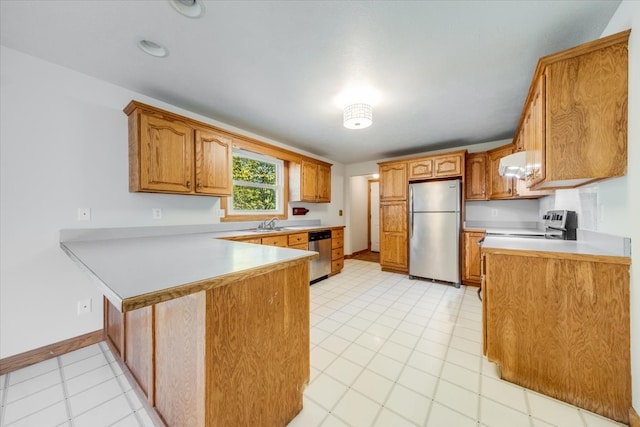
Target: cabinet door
x=393 y=182
x=499 y=187
x=324 y=183
x=213 y=163
x=476 y=176
x=421 y=169
x=447 y=166
x=309 y=177
x=534 y=135
x=393 y=236
x=471 y=271
x=166 y=155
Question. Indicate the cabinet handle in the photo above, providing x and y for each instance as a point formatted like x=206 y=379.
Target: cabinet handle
x=188 y=184
x=509 y=191
x=198 y=185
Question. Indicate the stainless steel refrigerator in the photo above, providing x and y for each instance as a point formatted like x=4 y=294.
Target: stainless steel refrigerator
x=434 y=230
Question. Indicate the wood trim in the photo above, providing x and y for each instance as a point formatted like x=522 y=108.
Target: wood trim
x=22 y=360
x=634 y=418
x=560 y=255
x=134 y=303
x=355 y=254
x=369 y=182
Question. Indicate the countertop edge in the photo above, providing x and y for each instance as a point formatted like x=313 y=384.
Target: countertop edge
x=592 y=257
x=145 y=300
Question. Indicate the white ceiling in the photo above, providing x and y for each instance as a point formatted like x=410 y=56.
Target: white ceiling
x=448 y=73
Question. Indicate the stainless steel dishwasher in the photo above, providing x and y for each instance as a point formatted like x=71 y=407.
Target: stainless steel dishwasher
x=320 y=268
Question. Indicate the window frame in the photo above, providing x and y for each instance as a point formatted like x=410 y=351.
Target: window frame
x=282 y=190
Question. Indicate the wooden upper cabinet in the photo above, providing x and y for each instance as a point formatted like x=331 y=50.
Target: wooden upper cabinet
x=393 y=181
x=449 y=165
x=165 y=148
x=499 y=187
x=576 y=112
x=169 y=153
x=533 y=134
x=476 y=176
x=507 y=188
x=421 y=169
x=324 y=183
x=310 y=182
x=214 y=153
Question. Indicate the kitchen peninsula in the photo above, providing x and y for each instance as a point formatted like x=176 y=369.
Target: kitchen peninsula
x=214 y=332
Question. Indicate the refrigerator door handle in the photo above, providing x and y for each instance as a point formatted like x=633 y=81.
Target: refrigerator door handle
x=410 y=212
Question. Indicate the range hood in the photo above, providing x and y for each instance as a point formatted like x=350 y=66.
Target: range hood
x=513 y=165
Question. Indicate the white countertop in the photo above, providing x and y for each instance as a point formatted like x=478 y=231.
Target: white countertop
x=515 y=231
x=549 y=245
x=126 y=268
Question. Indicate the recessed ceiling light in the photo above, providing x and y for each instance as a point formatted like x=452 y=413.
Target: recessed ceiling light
x=153 y=48
x=188 y=8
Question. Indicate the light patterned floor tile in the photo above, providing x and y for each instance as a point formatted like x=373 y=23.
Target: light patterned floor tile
x=409 y=349
x=356 y=409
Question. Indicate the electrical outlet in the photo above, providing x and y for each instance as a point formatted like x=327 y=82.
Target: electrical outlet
x=84 y=306
x=84 y=214
x=494 y=212
x=220 y=213
x=156 y=213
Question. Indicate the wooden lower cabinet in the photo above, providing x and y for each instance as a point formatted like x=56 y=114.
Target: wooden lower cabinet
x=337 y=250
x=393 y=236
x=234 y=355
x=559 y=324
x=471 y=257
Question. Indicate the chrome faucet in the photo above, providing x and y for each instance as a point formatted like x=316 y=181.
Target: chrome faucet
x=268 y=224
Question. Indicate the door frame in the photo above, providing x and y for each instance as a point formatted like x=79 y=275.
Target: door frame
x=369 y=182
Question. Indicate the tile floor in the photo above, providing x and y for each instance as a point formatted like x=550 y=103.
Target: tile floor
x=385 y=351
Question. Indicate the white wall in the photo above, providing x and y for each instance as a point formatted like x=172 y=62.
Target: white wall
x=63 y=145
x=358 y=213
x=618 y=198
x=504 y=211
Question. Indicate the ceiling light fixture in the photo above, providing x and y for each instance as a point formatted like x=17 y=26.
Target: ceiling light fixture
x=358 y=116
x=188 y=8
x=153 y=48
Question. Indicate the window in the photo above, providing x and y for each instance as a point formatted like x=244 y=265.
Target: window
x=257 y=185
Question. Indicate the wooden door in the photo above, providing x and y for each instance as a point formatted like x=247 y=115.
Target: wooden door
x=166 y=154
x=476 y=176
x=393 y=236
x=374 y=216
x=323 y=179
x=393 y=182
x=213 y=163
x=309 y=184
x=499 y=187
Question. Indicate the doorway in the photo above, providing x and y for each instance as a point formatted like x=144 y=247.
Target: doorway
x=374 y=215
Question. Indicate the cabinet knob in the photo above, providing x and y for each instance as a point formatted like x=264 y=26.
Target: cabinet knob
x=198 y=185
x=509 y=191
x=188 y=184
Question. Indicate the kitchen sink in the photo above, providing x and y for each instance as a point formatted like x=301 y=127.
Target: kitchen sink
x=267 y=230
